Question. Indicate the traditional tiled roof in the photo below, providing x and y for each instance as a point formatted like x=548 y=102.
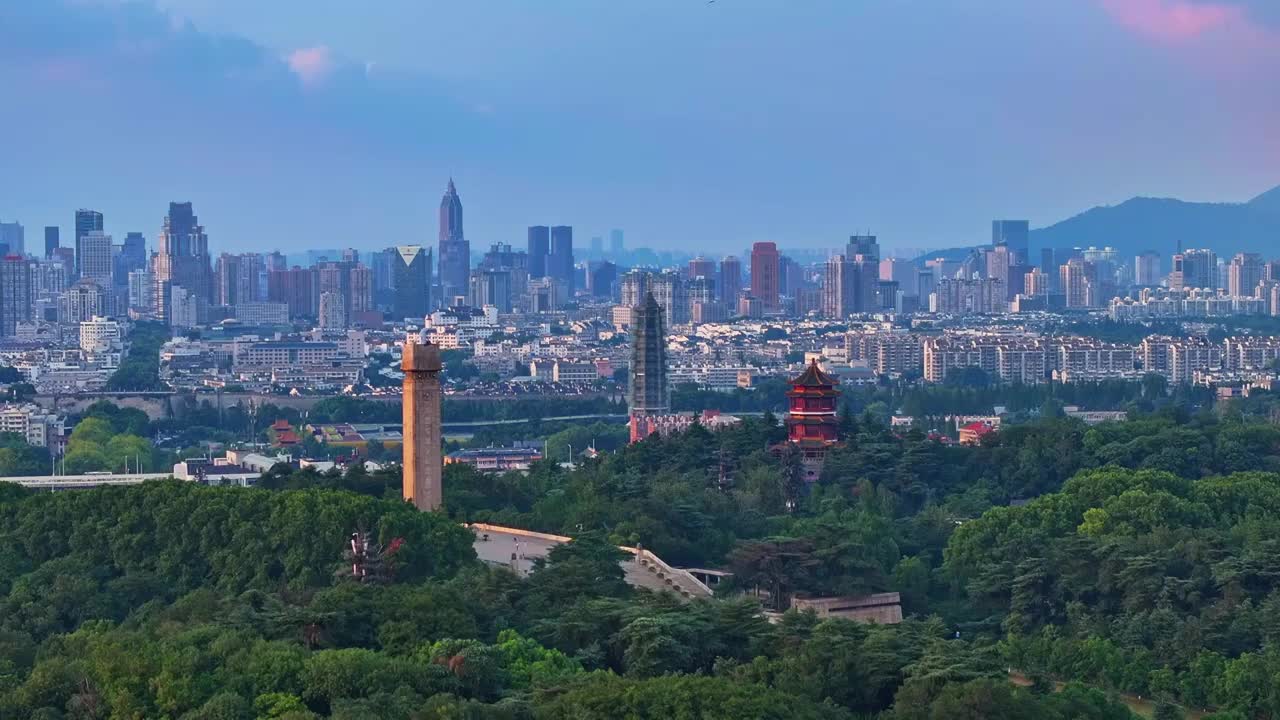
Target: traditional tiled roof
x=814 y=377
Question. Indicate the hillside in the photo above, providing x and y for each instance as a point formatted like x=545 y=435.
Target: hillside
x=1159 y=224
x=1145 y=223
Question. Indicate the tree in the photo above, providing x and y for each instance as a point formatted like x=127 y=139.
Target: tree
x=779 y=566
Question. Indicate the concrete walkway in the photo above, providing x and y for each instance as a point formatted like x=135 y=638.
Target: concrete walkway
x=518 y=550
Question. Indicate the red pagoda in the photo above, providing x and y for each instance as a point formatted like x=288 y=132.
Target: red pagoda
x=811 y=417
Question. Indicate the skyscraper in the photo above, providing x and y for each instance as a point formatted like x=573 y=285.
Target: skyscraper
x=1016 y=234
x=87 y=221
x=1245 y=273
x=764 y=274
x=226 y=274
x=15 y=293
x=649 y=392
x=839 y=288
x=616 y=246
x=863 y=254
x=730 y=285
x=13 y=238
x=411 y=277
x=701 y=267
x=52 y=241
x=182 y=260
x=1146 y=269
x=455 y=251
x=491 y=287
x=539 y=248
x=1075 y=284
x=1194 y=269
x=560 y=261
x=132 y=256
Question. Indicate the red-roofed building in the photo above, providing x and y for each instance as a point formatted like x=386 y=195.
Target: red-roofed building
x=975 y=432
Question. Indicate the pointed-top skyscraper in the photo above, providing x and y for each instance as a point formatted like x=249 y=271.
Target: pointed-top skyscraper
x=455 y=251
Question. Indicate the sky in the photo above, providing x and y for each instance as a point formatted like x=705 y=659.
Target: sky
x=693 y=125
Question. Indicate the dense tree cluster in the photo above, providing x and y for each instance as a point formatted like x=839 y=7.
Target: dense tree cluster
x=1142 y=581
x=140 y=369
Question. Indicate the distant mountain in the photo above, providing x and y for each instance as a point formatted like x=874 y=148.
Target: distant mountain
x=1160 y=223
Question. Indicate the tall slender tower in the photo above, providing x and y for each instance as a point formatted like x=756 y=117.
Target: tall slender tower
x=423 y=463
x=650 y=394
x=455 y=251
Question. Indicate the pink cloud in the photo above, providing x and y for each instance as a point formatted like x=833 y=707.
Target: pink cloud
x=312 y=65
x=1173 y=20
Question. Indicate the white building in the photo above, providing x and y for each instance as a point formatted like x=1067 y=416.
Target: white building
x=99 y=335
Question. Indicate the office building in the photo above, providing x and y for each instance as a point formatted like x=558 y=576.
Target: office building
x=616 y=244
x=1244 y=274
x=87 y=221
x=1014 y=234
x=1196 y=269
x=491 y=287
x=182 y=260
x=411 y=278
x=12 y=238
x=95 y=257
x=52 y=240
x=649 y=393
x=455 y=252
x=764 y=274
x=863 y=255
x=730 y=284
x=1146 y=269
x=539 y=248
x=560 y=260
x=132 y=256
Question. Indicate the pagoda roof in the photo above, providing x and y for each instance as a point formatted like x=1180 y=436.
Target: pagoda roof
x=814 y=377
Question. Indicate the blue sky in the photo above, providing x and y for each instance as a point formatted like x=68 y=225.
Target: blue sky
x=294 y=124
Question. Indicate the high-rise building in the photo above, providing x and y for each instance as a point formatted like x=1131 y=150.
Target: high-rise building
x=597 y=248
x=15 y=293
x=82 y=301
x=1245 y=273
x=491 y=287
x=455 y=251
x=298 y=288
x=764 y=274
x=182 y=259
x=616 y=245
x=87 y=221
x=863 y=253
x=95 y=257
x=1194 y=269
x=730 y=284
x=649 y=392
x=132 y=256
x=13 y=238
x=999 y=259
x=903 y=272
x=411 y=277
x=633 y=287
x=560 y=260
x=539 y=249
x=839 y=288
x=351 y=281
x=601 y=276
x=52 y=240
x=333 y=310
x=702 y=267
x=671 y=294
x=1146 y=269
x=1016 y=235
x=142 y=292
x=423 y=464
x=1075 y=284
x=226 y=274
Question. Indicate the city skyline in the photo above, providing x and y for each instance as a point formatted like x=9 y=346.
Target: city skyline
x=340 y=108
